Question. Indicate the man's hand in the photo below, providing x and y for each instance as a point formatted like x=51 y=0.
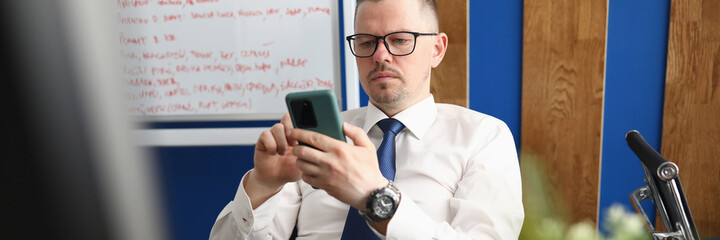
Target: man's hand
x=274 y=163
x=347 y=172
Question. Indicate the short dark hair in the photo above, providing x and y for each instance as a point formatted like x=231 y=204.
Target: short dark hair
x=430 y=4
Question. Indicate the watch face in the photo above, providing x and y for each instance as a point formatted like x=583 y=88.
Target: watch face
x=382 y=203
x=383 y=206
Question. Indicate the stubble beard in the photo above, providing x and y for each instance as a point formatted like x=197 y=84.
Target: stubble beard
x=386 y=94
x=393 y=96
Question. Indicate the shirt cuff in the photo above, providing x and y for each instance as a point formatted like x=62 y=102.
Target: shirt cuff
x=248 y=218
x=410 y=222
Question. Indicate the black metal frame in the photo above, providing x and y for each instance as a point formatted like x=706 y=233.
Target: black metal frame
x=377 y=38
x=664 y=189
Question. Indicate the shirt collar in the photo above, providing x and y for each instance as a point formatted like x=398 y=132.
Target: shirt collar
x=417 y=118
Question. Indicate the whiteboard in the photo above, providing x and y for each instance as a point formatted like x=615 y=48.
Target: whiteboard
x=225 y=59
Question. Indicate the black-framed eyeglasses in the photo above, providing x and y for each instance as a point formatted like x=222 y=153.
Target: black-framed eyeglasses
x=397 y=43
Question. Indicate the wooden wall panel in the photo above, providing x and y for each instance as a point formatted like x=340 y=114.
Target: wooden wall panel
x=691 y=122
x=449 y=82
x=563 y=68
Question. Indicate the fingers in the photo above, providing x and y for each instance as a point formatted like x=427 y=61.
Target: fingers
x=309 y=155
x=278 y=133
x=275 y=140
x=309 y=179
x=287 y=122
x=307 y=167
x=317 y=140
x=357 y=134
x=266 y=142
x=316 y=156
x=288 y=125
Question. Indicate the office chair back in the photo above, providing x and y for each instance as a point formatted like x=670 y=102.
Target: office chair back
x=664 y=189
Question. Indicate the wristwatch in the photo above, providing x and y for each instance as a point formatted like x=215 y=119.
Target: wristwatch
x=382 y=203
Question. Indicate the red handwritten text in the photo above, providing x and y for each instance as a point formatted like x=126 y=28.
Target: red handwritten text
x=131 y=3
x=293 y=62
x=131 y=20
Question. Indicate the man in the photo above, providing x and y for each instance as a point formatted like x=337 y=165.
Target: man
x=455 y=171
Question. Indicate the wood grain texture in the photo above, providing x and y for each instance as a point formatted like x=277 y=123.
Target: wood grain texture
x=563 y=74
x=450 y=79
x=691 y=121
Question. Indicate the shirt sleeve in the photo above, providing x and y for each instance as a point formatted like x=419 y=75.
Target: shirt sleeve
x=487 y=203
x=274 y=219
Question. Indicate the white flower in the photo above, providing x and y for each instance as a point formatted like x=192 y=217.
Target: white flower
x=582 y=231
x=623 y=225
x=615 y=213
x=550 y=229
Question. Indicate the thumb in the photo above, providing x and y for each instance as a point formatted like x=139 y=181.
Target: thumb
x=357 y=135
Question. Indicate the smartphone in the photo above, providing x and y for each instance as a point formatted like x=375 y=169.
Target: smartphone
x=316 y=111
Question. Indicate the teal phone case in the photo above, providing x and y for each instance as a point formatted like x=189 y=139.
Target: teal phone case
x=325 y=109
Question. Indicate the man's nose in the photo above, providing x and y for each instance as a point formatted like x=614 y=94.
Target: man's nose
x=382 y=54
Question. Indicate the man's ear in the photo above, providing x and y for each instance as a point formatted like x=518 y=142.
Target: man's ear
x=441 y=43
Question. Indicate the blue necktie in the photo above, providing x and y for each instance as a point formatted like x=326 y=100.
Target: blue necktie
x=355 y=226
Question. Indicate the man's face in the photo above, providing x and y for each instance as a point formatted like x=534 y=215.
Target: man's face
x=396 y=82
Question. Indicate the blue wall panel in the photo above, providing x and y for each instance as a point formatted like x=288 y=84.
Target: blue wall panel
x=364 y=98
x=634 y=90
x=196 y=183
x=495 y=86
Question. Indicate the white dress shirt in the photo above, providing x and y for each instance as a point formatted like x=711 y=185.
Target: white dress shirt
x=457 y=171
